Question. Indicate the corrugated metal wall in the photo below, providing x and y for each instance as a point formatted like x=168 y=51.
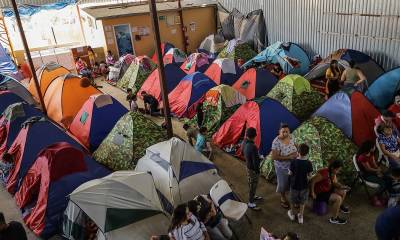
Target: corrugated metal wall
x=322 y=26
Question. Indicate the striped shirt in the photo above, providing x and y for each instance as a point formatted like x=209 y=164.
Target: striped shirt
x=194 y=230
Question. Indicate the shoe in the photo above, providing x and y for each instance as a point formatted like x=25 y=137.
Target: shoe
x=253 y=206
x=344 y=209
x=258 y=198
x=337 y=220
x=300 y=218
x=291 y=215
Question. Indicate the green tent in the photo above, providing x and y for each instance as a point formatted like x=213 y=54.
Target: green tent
x=326 y=143
x=136 y=74
x=295 y=93
x=128 y=140
x=237 y=50
x=219 y=104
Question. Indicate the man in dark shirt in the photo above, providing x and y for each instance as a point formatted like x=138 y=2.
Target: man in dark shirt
x=300 y=172
x=250 y=152
x=12 y=230
x=387 y=224
x=150 y=103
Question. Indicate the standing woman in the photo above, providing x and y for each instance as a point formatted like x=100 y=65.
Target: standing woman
x=283 y=151
x=92 y=56
x=332 y=74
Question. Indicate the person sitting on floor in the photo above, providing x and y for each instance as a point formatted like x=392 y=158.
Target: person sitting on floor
x=185 y=225
x=132 y=98
x=150 y=104
x=300 y=172
x=191 y=133
x=370 y=171
x=201 y=142
x=353 y=77
x=6 y=164
x=110 y=58
x=82 y=68
x=332 y=75
x=12 y=230
x=206 y=212
x=389 y=143
x=394 y=189
x=325 y=187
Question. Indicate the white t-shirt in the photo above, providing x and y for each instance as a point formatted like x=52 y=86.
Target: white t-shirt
x=191 y=231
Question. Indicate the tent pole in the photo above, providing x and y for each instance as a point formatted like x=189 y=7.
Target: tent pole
x=163 y=84
x=182 y=27
x=28 y=55
x=81 y=24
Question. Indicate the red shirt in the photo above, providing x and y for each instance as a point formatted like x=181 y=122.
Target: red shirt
x=363 y=158
x=395 y=109
x=325 y=184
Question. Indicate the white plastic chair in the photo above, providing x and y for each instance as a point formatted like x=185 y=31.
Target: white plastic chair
x=361 y=178
x=231 y=208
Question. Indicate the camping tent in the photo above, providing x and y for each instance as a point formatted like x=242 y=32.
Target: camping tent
x=236 y=49
x=352 y=113
x=7 y=65
x=7 y=98
x=165 y=47
x=212 y=45
x=56 y=172
x=180 y=172
x=189 y=93
x=290 y=56
x=173 y=75
x=12 y=85
x=11 y=120
x=123 y=205
x=382 y=92
x=46 y=74
x=196 y=62
x=255 y=83
x=65 y=96
x=264 y=115
x=295 y=93
x=137 y=72
x=174 y=55
x=219 y=104
x=127 y=141
x=224 y=71
x=326 y=143
x=96 y=119
x=368 y=66
x=27 y=145
x=117 y=71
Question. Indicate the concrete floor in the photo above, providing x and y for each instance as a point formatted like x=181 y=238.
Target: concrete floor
x=272 y=217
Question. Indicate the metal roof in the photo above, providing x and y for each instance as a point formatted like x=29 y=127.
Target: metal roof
x=120 y=10
x=7 y=3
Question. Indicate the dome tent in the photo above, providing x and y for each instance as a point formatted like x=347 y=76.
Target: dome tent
x=212 y=45
x=255 y=83
x=236 y=49
x=175 y=56
x=127 y=141
x=196 y=62
x=180 y=172
x=124 y=203
x=10 y=84
x=165 y=47
x=7 y=98
x=383 y=90
x=224 y=71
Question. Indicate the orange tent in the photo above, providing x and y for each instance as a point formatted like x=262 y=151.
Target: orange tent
x=46 y=74
x=65 y=96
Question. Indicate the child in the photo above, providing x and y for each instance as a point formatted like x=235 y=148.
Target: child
x=394 y=191
x=103 y=68
x=300 y=172
x=131 y=98
x=5 y=166
x=201 y=142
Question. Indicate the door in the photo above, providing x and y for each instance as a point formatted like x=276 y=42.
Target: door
x=123 y=39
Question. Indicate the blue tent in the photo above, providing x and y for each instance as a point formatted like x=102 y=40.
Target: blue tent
x=281 y=52
x=383 y=90
x=12 y=85
x=7 y=66
x=7 y=98
x=14 y=116
x=28 y=144
x=96 y=119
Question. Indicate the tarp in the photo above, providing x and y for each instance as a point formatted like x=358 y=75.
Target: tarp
x=175 y=56
x=124 y=203
x=96 y=119
x=173 y=75
x=290 y=56
x=237 y=49
x=265 y=116
x=165 y=47
x=12 y=85
x=46 y=74
x=219 y=104
x=136 y=74
x=189 y=93
x=57 y=171
x=11 y=120
x=27 y=145
x=7 y=65
x=295 y=93
x=352 y=113
x=65 y=96
x=29 y=10
x=127 y=141
x=382 y=92
x=180 y=172
x=224 y=71
x=196 y=62
x=255 y=83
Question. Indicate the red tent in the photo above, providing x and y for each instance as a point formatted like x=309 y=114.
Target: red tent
x=255 y=83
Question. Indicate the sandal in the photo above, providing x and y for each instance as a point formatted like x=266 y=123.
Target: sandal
x=285 y=205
